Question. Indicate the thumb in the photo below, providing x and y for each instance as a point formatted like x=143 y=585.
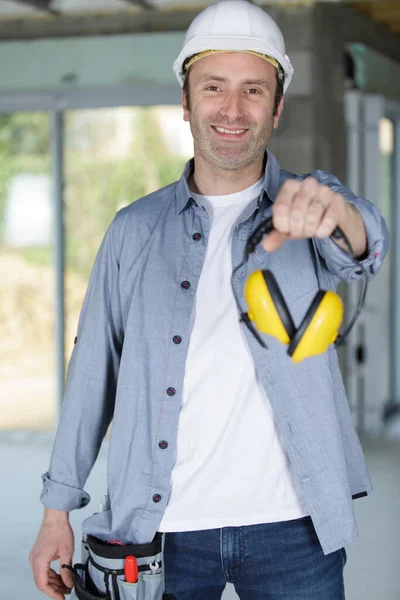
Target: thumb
x=273 y=241
x=66 y=574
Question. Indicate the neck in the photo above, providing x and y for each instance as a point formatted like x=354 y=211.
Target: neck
x=208 y=180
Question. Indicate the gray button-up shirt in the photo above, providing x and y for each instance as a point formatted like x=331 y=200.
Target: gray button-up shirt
x=125 y=365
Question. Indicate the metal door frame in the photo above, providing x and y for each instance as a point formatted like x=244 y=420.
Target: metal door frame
x=363 y=114
x=55 y=103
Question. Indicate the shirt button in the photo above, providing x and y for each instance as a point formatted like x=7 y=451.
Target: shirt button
x=197 y=237
x=171 y=391
x=163 y=445
x=185 y=285
x=177 y=339
x=156 y=498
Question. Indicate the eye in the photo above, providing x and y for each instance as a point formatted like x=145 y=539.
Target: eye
x=212 y=88
x=253 y=91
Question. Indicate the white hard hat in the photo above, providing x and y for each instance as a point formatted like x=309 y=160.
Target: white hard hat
x=234 y=25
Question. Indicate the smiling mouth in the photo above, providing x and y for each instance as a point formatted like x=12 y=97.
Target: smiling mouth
x=229 y=131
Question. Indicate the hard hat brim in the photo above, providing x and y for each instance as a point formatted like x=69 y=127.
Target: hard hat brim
x=231 y=44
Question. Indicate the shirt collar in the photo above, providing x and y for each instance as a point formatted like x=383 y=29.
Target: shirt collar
x=271 y=182
x=184 y=197
x=272 y=175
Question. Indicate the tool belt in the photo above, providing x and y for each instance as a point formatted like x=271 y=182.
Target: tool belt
x=103 y=574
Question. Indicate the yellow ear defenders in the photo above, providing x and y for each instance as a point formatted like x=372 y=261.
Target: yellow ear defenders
x=269 y=312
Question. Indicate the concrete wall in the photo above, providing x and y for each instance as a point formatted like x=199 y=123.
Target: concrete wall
x=81 y=63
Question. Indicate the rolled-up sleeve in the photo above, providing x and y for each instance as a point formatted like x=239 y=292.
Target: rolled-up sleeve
x=339 y=262
x=89 y=397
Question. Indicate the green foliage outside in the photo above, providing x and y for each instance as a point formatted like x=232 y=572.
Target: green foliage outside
x=97 y=185
x=111 y=158
x=24 y=148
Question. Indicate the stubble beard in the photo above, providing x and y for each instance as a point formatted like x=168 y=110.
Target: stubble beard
x=231 y=156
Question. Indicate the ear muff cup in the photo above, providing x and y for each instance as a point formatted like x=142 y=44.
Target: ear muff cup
x=319 y=327
x=296 y=338
x=280 y=303
x=271 y=315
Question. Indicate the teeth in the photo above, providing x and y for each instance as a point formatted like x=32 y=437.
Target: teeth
x=236 y=132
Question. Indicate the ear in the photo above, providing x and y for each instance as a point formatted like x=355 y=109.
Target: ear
x=278 y=113
x=185 y=107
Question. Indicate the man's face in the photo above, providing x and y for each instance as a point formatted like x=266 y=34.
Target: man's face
x=231 y=108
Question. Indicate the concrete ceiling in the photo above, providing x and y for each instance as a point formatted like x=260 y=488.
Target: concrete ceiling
x=24 y=19
x=383 y=11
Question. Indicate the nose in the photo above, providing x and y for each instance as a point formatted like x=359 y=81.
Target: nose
x=232 y=106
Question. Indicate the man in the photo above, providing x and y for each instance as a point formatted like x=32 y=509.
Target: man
x=246 y=461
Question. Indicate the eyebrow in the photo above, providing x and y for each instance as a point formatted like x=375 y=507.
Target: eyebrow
x=212 y=77
x=208 y=76
x=260 y=82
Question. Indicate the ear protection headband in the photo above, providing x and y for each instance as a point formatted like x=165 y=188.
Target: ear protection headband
x=269 y=312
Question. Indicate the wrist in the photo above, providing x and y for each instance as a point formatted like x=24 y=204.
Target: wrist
x=52 y=515
x=353 y=226
x=349 y=217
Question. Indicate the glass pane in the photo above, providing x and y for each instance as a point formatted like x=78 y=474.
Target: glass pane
x=112 y=158
x=386 y=147
x=27 y=311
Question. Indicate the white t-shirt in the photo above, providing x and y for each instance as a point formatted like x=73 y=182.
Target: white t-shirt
x=231 y=469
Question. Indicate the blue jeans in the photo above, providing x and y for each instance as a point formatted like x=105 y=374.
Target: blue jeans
x=273 y=561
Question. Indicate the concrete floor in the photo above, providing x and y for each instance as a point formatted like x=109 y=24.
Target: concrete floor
x=372 y=571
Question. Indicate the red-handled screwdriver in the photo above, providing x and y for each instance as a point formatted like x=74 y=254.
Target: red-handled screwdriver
x=131 y=569
x=115 y=543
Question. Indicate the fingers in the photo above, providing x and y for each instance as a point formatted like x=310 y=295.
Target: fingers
x=47 y=580
x=55 y=541
x=314 y=215
x=304 y=209
x=282 y=206
x=273 y=241
x=328 y=223
x=66 y=574
x=57 y=584
x=51 y=584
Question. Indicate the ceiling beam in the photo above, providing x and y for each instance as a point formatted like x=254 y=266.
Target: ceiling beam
x=387 y=13
x=385 y=16
x=143 y=21
x=142 y=4
x=43 y=5
x=383 y=3
x=103 y=24
x=357 y=27
x=377 y=13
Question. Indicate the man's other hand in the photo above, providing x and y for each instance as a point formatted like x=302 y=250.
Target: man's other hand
x=55 y=541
